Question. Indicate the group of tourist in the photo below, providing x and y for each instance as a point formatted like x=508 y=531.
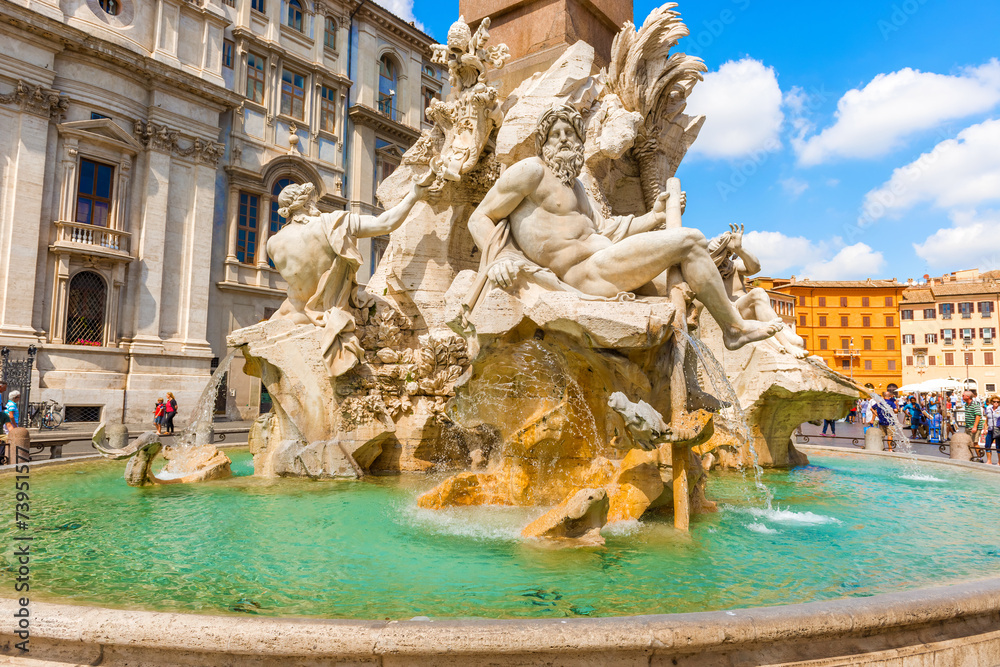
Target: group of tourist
x=163 y=415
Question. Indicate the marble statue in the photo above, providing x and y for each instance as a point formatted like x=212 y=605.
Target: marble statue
x=317 y=256
x=540 y=205
x=736 y=264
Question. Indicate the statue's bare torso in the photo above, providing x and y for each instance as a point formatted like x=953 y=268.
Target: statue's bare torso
x=301 y=253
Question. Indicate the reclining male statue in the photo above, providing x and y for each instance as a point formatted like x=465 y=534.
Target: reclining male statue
x=317 y=256
x=541 y=206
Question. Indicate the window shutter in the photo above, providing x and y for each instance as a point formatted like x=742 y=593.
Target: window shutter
x=941 y=309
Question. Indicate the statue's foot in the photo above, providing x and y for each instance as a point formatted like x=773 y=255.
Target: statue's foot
x=798 y=352
x=702 y=400
x=750 y=332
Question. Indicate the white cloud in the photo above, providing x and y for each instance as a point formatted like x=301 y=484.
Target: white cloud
x=794 y=186
x=742 y=103
x=854 y=262
x=971 y=240
x=876 y=119
x=960 y=172
x=403 y=9
x=779 y=254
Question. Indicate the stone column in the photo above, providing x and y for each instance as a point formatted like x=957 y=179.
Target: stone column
x=263 y=231
x=21 y=223
x=67 y=193
x=232 y=221
x=150 y=247
x=194 y=325
x=60 y=288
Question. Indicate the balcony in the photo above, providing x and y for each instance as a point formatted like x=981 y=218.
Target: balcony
x=847 y=353
x=945 y=316
x=83 y=239
x=966 y=316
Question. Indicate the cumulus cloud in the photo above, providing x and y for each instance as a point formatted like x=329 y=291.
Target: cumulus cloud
x=742 y=103
x=853 y=262
x=779 y=254
x=403 y=9
x=960 y=172
x=971 y=240
x=878 y=118
x=794 y=186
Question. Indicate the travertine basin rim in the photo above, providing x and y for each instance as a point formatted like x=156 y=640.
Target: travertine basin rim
x=344 y=638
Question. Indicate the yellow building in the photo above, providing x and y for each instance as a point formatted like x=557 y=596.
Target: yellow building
x=853 y=326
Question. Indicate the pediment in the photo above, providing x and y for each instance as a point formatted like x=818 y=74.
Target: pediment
x=102 y=130
x=392 y=152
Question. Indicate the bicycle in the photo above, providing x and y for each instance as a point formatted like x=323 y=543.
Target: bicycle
x=47 y=414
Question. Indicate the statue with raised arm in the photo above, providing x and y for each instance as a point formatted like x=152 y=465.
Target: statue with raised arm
x=540 y=207
x=317 y=255
x=736 y=264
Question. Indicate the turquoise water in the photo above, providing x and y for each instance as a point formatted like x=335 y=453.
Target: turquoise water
x=847 y=527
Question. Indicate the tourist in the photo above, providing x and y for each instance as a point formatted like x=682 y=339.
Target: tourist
x=852 y=418
x=913 y=411
x=12 y=410
x=171 y=412
x=992 y=429
x=883 y=416
x=832 y=423
x=159 y=415
x=973 y=415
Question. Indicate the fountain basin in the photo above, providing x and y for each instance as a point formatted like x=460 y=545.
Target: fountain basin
x=964 y=617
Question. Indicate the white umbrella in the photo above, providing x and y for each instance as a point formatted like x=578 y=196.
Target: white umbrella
x=941 y=385
x=906 y=388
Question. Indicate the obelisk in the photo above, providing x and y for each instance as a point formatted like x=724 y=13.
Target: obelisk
x=538 y=31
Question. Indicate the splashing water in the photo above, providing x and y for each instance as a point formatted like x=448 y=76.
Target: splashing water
x=206 y=403
x=899 y=437
x=734 y=415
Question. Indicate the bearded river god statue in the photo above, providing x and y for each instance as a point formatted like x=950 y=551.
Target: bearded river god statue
x=533 y=325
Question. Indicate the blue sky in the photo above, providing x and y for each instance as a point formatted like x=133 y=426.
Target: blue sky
x=857 y=139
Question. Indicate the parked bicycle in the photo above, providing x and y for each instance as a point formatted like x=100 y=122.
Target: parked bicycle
x=47 y=414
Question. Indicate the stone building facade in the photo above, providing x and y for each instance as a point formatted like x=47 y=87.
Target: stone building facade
x=949 y=329
x=135 y=164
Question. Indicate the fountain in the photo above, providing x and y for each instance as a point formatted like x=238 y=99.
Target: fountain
x=609 y=398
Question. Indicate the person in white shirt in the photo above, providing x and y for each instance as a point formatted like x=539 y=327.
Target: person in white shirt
x=992 y=415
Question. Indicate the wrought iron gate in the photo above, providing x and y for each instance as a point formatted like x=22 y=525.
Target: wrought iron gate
x=16 y=374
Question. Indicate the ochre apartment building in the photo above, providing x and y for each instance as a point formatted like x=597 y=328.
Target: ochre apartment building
x=853 y=326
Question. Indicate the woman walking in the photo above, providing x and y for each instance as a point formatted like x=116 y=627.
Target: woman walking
x=171 y=412
x=992 y=429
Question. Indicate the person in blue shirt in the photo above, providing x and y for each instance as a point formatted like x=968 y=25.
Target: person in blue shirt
x=12 y=410
x=912 y=408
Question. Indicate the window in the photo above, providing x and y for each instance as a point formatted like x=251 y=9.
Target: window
x=110 y=6
x=929 y=314
x=890 y=343
x=866 y=321
x=947 y=336
x=991 y=388
x=246 y=228
x=277 y=222
x=227 y=53
x=968 y=334
x=802 y=320
x=892 y=365
x=868 y=343
x=379 y=245
x=802 y=301
x=845 y=343
x=823 y=344
x=822 y=320
x=294 y=18
x=890 y=321
x=97 y=116
x=328 y=109
x=330 y=33
x=988 y=358
x=255 y=78
x=949 y=358
x=988 y=334
x=843 y=302
x=985 y=308
x=868 y=364
x=888 y=302
x=969 y=359
x=386 y=160
x=932 y=360
x=865 y=302
x=429 y=96
x=387 y=76
x=846 y=363
x=93 y=193
x=85 y=309
x=909 y=361
x=293 y=94
x=906 y=315
x=257 y=5
x=930 y=338
x=843 y=320
x=822 y=302
x=965 y=308
x=909 y=339
x=947 y=309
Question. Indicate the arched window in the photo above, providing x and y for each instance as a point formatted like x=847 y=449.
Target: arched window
x=387 y=79
x=85 y=309
x=110 y=6
x=295 y=14
x=330 y=36
x=277 y=222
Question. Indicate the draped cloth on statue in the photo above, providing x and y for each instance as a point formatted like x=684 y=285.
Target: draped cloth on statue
x=332 y=306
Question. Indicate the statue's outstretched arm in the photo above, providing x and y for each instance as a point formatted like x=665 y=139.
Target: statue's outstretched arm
x=749 y=261
x=390 y=220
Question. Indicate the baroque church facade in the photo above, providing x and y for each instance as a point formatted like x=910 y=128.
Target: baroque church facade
x=144 y=144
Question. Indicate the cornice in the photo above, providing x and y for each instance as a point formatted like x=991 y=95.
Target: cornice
x=394 y=25
x=368 y=117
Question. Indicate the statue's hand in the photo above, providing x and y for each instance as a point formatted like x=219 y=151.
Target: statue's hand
x=422 y=186
x=504 y=273
x=684 y=201
x=660 y=209
x=736 y=240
